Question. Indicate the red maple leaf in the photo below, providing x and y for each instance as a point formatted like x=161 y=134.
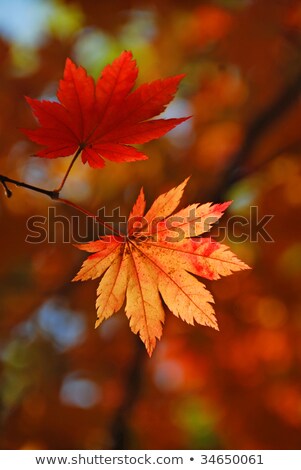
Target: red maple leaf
x=103 y=119
x=158 y=261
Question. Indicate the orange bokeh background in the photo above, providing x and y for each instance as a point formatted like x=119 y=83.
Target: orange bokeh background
x=65 y=385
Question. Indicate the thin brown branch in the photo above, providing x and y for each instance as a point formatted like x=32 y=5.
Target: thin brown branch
x=55 y=195
x=7 y=191
x=5 y=179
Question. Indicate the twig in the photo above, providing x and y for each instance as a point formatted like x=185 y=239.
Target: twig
x=55 y=195
x=7 y=191
x=5 y=179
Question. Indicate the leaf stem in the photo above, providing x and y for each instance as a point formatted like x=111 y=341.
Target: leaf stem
x=89 y=214
x=76 y=155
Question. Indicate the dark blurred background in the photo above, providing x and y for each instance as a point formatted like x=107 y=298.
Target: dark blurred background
x=64 y=385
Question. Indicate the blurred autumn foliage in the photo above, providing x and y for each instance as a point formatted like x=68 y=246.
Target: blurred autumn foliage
x=65 y=385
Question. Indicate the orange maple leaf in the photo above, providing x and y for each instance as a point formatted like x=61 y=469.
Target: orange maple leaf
x=159 y=259
x=103 y=119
